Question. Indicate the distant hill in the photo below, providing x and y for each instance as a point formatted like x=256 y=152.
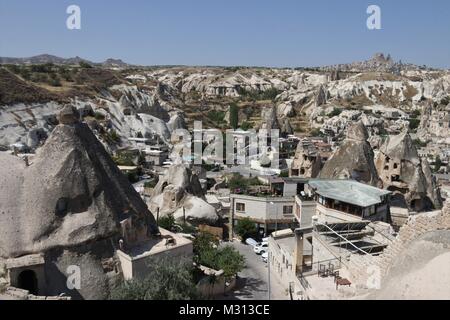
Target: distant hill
x=47 y=58
x=378 y=63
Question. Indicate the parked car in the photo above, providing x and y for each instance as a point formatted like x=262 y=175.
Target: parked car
x=265 y=257
x=261 y=248
x=251 y=242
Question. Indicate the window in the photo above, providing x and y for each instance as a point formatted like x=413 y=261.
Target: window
x=240 y=207
x=288 y=209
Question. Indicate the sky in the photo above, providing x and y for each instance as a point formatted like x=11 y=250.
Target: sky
x=277 y=33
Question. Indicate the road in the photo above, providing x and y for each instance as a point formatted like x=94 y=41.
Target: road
x=252 y=281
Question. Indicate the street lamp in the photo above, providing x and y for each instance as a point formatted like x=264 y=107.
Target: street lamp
x=276 y=215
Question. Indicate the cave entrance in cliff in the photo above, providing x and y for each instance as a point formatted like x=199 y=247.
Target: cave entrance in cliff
x=27 y=280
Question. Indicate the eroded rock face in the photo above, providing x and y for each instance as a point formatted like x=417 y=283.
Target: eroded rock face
x=404 y=173
x=180 y=188
x=70 y=204
x=307 y=161
x=269 y=119
x=321 y=96
x=354 y=159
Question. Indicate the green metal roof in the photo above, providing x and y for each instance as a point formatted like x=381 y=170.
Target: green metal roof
x=348 y=191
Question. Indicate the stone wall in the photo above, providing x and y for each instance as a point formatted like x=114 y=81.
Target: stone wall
x=415 y=227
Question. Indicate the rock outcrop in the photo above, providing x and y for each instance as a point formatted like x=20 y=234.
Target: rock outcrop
x=321 y=96
x=407 y=175
x=354 y=159
x=269 y=119
x=179 y=193
x=307 y=161
x=72 y=205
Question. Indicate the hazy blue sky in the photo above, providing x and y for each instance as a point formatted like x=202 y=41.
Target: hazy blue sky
x=231 y=32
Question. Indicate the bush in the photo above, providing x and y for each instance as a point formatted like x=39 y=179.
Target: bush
x=167 y=222
x=208 y=254
x=414 y=124
x=245 y=228
x=99 y=116
x=246 y=126
x=335 y=112
x=85 y=65
x=239 y=182
x=169 y=279
x=216 y=116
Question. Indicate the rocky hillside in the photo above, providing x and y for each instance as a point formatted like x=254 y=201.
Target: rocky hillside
x=152 y=101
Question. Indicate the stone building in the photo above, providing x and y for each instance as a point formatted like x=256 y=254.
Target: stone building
x=307 y=160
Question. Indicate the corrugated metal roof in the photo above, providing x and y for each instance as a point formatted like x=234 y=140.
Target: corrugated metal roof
x=349 y=191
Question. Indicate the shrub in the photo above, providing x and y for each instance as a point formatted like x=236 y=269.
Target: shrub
x=169 y=279
x=245 y=228
x=167 y=222
x=207 y=253
x=414 y=124
x=99 y=116
x=85 y=65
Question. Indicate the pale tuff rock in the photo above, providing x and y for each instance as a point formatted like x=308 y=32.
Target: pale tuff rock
x=354 y=159
x=412 y=266
x=404 y=173
x=81 y=197
x=69 y=115
x=435 y=124
x=179 y=188
x=286 y=127
x=285 y=110
x=176 y=122
x=269 y=119
x=69 y=204
x=321 y=96
x=307 y=161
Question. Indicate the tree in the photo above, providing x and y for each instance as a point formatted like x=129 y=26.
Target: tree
x=245 y=228
x=437 y=164
x=230 y=261
x=234 y=116
x=167 y=222
x=207 y=253
x=168 y=279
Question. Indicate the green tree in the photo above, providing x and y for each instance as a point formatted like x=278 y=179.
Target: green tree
x=437 y=164
x=245 y=228
x=207 y=253
x=230 y=261
x=234 y=116
x=414 y=124
x=169 y=279
x=167 y=222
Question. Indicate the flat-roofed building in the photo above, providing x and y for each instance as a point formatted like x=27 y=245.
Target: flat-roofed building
x=348 y=200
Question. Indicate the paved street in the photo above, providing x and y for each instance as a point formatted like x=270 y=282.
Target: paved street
x=253 y=280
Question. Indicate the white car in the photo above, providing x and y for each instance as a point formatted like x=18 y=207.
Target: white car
x=261 y=248
x=251 y=242
x=265 y=256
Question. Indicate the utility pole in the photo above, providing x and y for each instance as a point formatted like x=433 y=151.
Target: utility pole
x=268 y=268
